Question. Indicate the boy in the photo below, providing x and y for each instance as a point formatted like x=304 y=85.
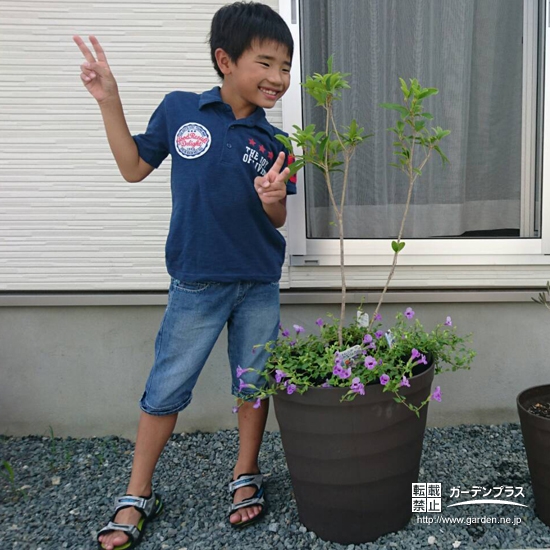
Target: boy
x=223 y=252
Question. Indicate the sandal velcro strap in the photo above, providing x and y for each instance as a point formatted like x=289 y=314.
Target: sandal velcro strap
x=256 y=500
x=131 y=530
x=246 y=480
x=144 y=505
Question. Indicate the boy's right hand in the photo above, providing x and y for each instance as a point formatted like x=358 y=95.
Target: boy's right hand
x=96 y=74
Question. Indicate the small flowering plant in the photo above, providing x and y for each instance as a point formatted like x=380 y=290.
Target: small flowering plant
x=363 y=353
x=371 y=355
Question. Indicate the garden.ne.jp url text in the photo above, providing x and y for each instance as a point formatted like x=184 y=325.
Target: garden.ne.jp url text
x=467 y=520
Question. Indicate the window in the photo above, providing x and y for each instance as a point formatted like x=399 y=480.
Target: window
x=486 y=58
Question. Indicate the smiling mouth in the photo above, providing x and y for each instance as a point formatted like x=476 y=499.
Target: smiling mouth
x=271 y=93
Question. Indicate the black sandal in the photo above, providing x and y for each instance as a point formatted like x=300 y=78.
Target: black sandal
x=149 y=508
x=257 y=499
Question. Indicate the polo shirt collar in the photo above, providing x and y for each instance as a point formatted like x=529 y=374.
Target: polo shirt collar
x=257 y=118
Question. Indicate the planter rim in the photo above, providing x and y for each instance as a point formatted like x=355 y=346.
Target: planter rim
x=424 y=378
x=523 y=395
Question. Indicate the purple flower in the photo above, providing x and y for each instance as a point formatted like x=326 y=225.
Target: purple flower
x=370 y=362
x=290 y=389
x=235 y=410
x=380 y=362
x=378 y=334
x=293 y=343
x=449 y=322
x=372 y=345
x=422 y=360
x=338 y=370
x=319 y=322
x=357 y=387
x=405 y=382
x=242 y=385
x=378 y=317
x=258 y=403
x=437 y=394
x=415 y=353
x=298 y=329
x=286 y=334
x=409 y=313
x=367 y=339
x=240 y=371
x=279 y=375
x=346 y=373
x=384 y=379
x=326 y=384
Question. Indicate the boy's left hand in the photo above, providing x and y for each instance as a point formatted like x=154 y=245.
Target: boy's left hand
x=271 y=188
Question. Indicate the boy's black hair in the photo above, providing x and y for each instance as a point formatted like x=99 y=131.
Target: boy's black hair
x=236 y=26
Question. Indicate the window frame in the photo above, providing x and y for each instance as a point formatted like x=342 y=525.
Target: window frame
x=451 y=253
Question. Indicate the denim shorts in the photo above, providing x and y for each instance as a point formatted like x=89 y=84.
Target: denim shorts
x=194 y=318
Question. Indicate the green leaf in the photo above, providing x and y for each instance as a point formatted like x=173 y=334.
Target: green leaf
x=444 y=159
x=295 y=167
x=395 y=107
x=323 y=145
x=7 y=466
x=397 y=247
x=426 y=92
x=329 y=63
x=319 y=136
x=404 y=88
x=285 y=140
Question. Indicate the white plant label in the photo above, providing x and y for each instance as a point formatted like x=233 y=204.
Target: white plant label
x=351 y=353
x=362 y=319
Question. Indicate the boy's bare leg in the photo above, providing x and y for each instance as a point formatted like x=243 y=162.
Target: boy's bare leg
x=153 y=434
x=251 y=429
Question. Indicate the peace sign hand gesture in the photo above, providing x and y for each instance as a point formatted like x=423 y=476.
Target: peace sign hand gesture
x=96 y=74
x=271 y=188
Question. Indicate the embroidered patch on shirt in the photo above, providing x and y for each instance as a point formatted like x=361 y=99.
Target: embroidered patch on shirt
x=192 y=140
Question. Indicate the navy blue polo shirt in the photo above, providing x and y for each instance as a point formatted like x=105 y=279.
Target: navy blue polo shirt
x=219 y=230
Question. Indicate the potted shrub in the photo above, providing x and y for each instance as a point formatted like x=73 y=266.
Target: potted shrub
x=534 y=414
x=351 y=401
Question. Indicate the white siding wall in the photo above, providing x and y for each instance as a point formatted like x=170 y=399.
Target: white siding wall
x=68 y=221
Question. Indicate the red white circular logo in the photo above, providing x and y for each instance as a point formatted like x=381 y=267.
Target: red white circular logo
x=192 y=140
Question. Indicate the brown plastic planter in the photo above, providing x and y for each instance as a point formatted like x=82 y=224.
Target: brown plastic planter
x=536 y=437
x=352 y=464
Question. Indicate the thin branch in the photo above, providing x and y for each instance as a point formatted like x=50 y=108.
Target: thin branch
x=412 y=179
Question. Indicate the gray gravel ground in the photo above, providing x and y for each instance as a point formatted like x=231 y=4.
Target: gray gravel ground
x=62 y=494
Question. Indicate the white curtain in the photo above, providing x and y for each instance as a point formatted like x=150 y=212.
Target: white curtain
x=471 y=50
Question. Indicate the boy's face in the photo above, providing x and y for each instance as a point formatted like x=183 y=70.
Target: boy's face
x=261 y=75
